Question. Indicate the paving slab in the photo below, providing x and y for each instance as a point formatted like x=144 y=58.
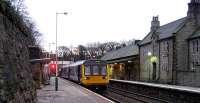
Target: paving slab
x=68 y=92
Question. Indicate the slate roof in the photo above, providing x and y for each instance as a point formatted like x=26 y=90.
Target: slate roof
x=166 y=30
x=127 y=51
x=146 y=39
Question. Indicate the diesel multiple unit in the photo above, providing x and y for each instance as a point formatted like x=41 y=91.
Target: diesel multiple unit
x=91 y=73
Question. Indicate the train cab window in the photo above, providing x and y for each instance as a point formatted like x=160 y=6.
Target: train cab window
x=103 y=70
x=87 y=70
x=95 y=70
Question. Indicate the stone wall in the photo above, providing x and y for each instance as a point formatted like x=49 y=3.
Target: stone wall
x=185 y=75
x=191 y=76
x=166 y=61
x=145 y=74
x=162 y=55
x=16 y=84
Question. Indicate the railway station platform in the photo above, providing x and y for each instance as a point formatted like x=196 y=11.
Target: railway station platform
x=68 y=92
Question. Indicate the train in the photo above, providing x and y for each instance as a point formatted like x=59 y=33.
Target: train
x=89 y=73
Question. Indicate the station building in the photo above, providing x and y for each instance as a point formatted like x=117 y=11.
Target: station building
x=171 y=53
x=124 y=63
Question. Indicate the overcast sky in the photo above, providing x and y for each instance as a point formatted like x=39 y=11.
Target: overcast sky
x=100 y=20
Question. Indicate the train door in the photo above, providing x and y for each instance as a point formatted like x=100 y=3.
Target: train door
x=69 y=72
x=79 y=73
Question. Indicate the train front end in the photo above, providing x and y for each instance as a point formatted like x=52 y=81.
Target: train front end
x=95 y=74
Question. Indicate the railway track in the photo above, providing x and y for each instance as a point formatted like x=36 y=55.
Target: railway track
x=123 y=96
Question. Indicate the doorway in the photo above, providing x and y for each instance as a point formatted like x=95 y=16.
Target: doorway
x=154 y=70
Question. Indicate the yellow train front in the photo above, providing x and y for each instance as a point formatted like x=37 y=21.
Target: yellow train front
x=90 y=73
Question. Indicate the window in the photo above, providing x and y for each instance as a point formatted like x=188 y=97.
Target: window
x=193 y=65
x=87 y=70
x=196 y=63
x=72 y=71
x=95 y=70
x=197 y=45
x=103 y=70
x=193 y=46
x=167 y=46
x=164 y=46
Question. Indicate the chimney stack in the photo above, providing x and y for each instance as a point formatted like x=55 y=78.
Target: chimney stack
x=194 y=11
x=155 y=23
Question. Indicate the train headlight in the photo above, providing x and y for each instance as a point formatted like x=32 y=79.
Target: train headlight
x=104 y=77
x=87 y=78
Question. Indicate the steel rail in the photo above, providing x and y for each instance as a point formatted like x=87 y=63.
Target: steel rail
x=116 y=90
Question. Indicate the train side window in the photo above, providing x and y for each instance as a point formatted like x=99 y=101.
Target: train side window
x=95 y=70
x=103 y=70
x=87 y=70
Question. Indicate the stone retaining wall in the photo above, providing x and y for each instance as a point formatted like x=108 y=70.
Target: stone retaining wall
x=16 y=83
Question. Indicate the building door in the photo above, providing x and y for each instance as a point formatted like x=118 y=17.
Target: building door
x=154 y=70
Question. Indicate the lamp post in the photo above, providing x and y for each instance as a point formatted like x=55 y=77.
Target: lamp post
x=50 y=49
x=56 y=79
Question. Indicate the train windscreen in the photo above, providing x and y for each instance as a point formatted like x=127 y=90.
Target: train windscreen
x=98 y=70
x=103 y=70
x=95 y=70
x=87 y=70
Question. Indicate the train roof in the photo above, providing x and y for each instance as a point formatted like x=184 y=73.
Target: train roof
x=92 y=61
x=77 y=63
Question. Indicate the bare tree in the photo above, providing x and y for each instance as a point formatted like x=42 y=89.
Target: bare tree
x=92 y=49
x=17 y=13
x=130 y=42
x=112 y=45
x=65 y=51
x=102 y=48
x=82 y=52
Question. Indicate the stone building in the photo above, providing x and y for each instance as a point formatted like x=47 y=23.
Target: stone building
x=171 y=53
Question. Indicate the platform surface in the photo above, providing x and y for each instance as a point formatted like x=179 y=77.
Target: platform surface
x=68 y=92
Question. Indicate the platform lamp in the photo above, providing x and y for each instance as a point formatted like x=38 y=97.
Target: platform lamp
x=56 y=79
